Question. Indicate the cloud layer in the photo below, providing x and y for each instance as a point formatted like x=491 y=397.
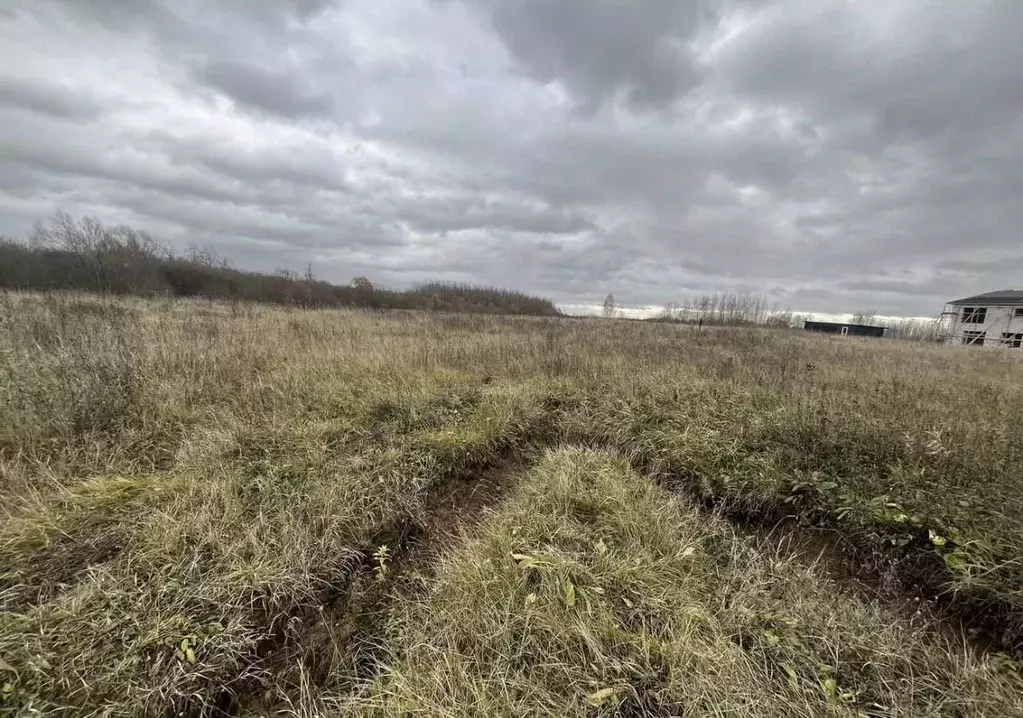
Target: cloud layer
x=833 y=155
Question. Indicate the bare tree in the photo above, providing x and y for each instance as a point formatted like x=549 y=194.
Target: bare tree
x=609 y=306
x=868 y=317
x=745 y=308
x=118 y=259
x=206 y=257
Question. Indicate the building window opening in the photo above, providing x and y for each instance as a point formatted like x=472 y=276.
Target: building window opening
x=974 y=315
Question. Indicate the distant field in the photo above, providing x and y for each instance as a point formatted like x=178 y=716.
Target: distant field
x=229 y=509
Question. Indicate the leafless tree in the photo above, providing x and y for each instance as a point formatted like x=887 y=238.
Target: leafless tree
x=609 y=306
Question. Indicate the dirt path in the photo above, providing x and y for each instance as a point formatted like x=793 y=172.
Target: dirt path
x=343 y=636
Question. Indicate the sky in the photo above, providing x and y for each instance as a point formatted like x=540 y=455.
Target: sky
x=832 y=155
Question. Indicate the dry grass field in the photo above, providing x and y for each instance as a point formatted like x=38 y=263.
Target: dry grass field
x=227 y=510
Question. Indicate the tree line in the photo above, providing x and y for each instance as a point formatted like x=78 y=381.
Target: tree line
x=924 y=330
x=749 y=309
x=66 y=254
x=743 y=308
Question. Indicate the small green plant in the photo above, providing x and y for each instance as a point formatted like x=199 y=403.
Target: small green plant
x=186 y=650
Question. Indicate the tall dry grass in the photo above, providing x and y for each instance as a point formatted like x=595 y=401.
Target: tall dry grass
x=184 y=483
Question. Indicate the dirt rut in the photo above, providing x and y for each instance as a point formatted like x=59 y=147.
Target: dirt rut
x=342 y=637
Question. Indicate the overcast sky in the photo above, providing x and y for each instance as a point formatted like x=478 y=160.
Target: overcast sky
x=833 y=155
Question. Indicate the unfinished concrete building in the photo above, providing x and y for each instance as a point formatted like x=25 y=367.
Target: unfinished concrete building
x=994 y=319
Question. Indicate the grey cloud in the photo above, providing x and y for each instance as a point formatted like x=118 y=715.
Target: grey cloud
x=463 y=213
x=160 y=16
x=933 y=286
x=950 y=69
x=602 y=47
x=48 y=99
x=978 y=266
x=277 y=92
x=273 y=169
x=304 y=165
x=65 y=159
x=286 y=232
x=151 y=17
x=302 y=9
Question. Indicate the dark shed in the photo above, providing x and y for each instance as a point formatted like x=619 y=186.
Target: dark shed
x=844 y=329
